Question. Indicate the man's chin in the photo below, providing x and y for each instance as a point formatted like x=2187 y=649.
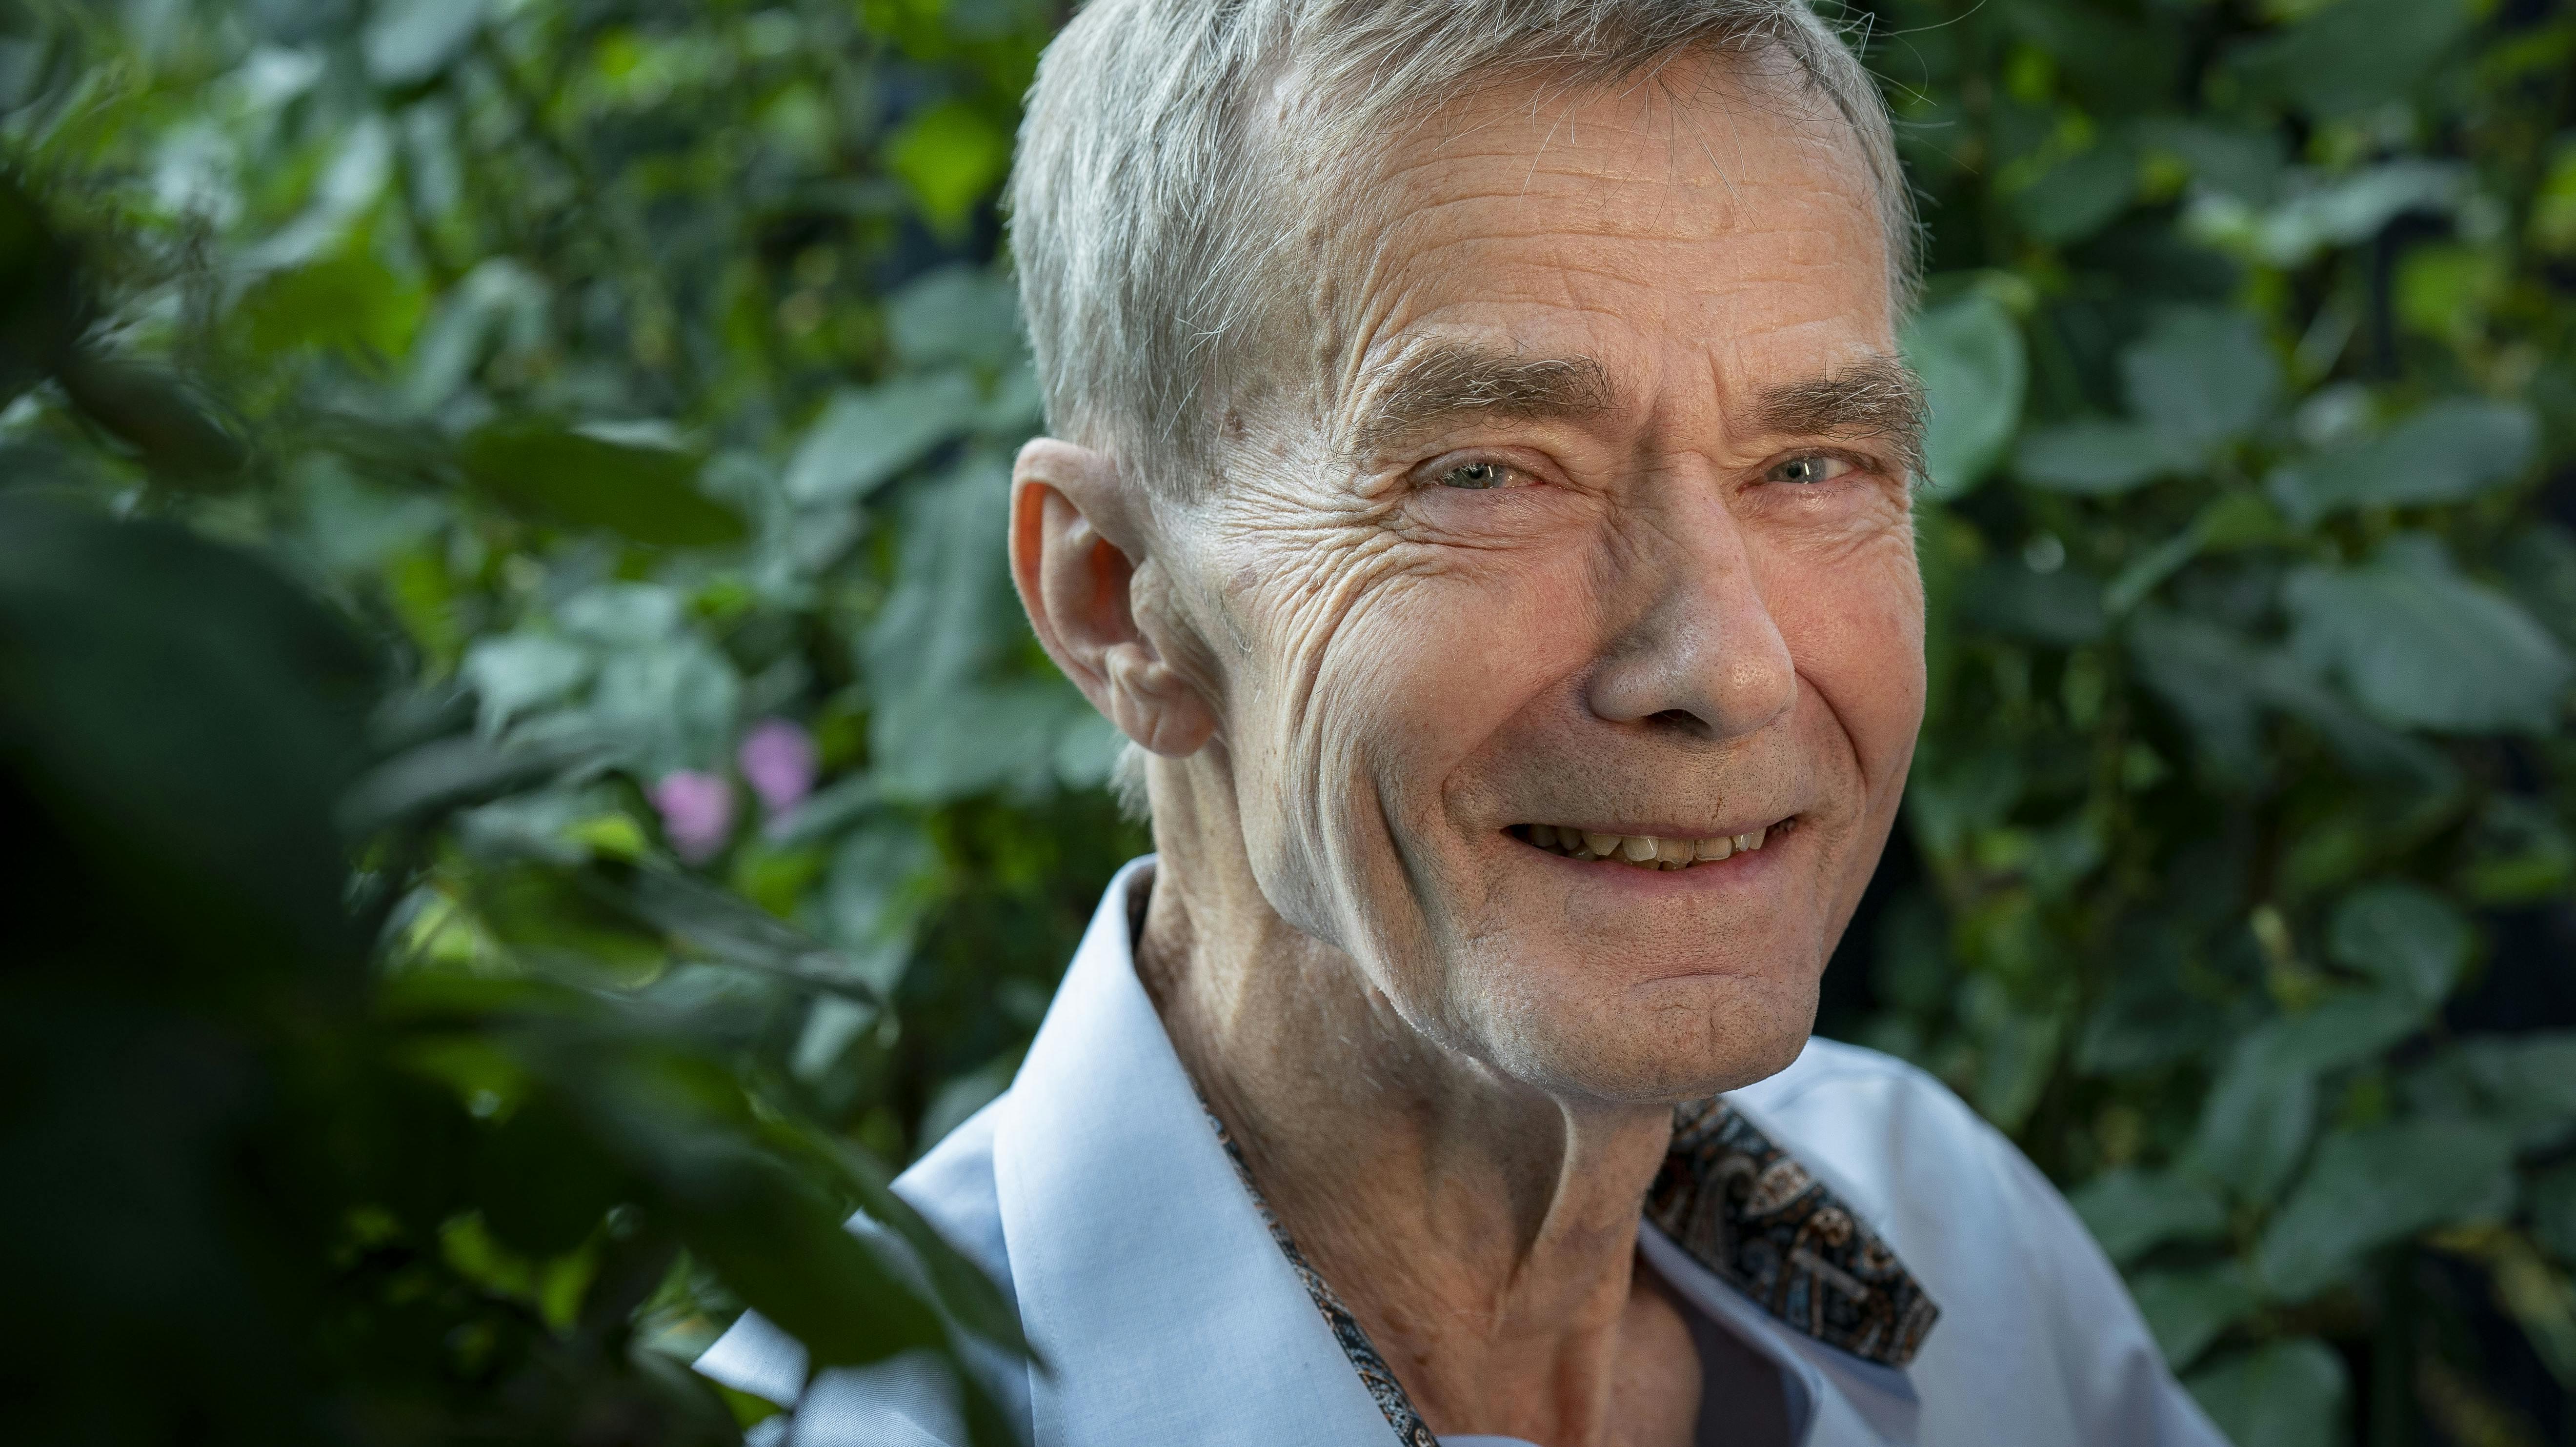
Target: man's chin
x=1673 y=1039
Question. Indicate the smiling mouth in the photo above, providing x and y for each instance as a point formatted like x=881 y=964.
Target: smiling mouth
x=1645 y=851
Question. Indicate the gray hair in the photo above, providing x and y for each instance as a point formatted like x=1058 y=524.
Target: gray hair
x=1151 y=230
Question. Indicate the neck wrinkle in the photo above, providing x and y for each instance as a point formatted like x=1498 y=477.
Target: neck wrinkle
x=1482 y=1232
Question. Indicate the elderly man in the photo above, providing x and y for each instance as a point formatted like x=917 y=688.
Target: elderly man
x=1479 y=486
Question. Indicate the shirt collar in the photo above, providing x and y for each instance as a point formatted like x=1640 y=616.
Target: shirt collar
x=1125 y=1203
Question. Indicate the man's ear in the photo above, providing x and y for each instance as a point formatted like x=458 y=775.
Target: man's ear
x=1077 y=543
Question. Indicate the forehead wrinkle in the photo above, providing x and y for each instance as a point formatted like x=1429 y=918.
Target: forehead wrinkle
x=1449 y=379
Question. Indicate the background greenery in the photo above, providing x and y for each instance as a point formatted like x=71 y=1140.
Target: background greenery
x=550 y=453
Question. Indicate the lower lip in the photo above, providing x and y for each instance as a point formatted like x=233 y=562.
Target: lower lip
x=1744 y=866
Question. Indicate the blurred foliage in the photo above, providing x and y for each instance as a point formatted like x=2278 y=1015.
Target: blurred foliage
x=553 y=452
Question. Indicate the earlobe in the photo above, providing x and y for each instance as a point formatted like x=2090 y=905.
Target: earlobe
x=1077 y=550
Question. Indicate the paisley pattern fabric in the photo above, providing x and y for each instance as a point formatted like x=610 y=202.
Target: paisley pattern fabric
x=1746 y=1210
x=1743 y=1208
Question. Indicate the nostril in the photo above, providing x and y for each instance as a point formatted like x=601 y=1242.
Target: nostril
x=1680 y=719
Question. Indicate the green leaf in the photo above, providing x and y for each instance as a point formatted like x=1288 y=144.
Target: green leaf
x=2239 y=161
x=865 y=437
x=435 y=779
x=2351 y=56
x=2148 y=1018
x=2318 y=210
x=2408 y=938
x=2079 y=195
x=2255 y=1122
x=957 y=314
x=541 y=1182
x=2422 y=647
x=2188 y=1309
x=2528 y=1082
x=2063 y=608
x=2280 y=1394
x=951 y=156
x=2447 y=452
x=2375 y=1185
x=2201 y=377
x=42 y=294
x=169 y=429
x=784 y=1252
x=2553 y=1212
x=873 y=895
x=1970 y=355
x=953 y=716
x=512 y=673
x=623 y=615
x=670 y=704
x=2208 y=676
x=2131 y=1211
x=2519 y=854
x=2097 y=459
x=350 y=302
x=410 y=41
x=180 y=718
x=718 y=925
x=2221 y=683
x=2540 y=568
x=2345 y=1028
x=964 y=1291
x=558 y=475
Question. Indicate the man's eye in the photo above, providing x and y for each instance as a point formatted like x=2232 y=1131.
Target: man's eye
x=1811 y=469
x=1475 y=476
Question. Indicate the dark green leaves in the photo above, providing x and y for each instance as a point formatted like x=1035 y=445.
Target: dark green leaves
x=558 y=475
x=2447 y=452
x=2372 y=1186
x=2260 y=1111
x=866 y=437
x=2063 y=607
x=2409 y=939
x=2360 y=53
x=410 y=41
x=2202 y=377
x=2422 y=646
x=40 y=291
x=1970 y=355
x=2131 y=1211
x=2281 y=1394
x=2198 y=380
x=2188 y=1309
x=2099 y=459
x=107 y=633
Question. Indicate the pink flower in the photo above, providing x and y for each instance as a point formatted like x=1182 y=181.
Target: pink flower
x=777 y=759
x=697 y=813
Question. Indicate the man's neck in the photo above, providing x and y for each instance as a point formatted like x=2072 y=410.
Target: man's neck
x=1483 y=1232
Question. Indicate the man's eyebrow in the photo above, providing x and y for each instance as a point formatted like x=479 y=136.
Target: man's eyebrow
x=1445 y=381
x=1878 y=396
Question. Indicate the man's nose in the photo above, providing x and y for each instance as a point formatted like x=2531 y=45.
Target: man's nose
x=1700 y=649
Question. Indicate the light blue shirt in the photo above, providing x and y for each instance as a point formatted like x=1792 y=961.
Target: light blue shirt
x=1096 y=1194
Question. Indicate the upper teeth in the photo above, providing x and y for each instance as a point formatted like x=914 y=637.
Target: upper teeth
x=1646 y=851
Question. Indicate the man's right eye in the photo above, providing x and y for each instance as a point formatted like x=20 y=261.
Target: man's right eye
x=1475 y=476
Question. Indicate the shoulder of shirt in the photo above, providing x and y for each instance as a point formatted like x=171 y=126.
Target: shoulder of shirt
x=1887 y=1134
x=952 y=1187
x=1823 y=1060
x=1855 y=1075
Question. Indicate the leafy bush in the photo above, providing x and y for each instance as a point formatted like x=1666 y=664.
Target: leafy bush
x=627 y=390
